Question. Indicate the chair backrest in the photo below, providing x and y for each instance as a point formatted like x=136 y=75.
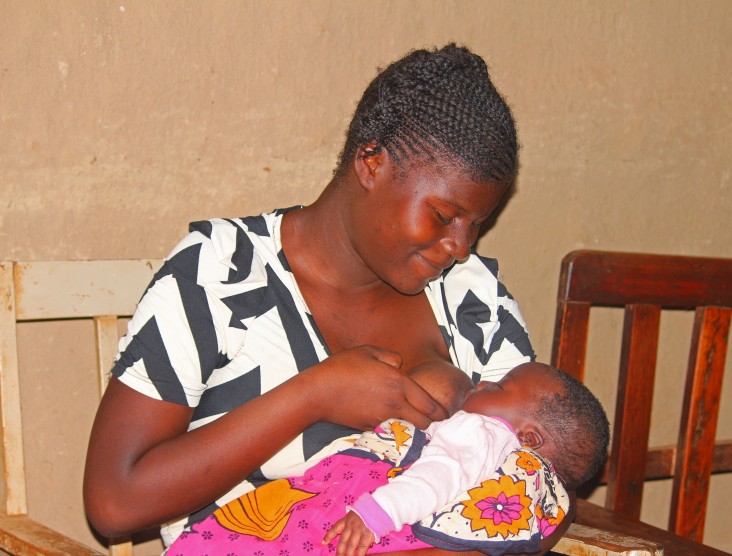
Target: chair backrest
x=101 y=290
x=644 y=285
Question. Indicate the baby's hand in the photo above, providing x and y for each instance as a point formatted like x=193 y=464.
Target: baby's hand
x=355 y=539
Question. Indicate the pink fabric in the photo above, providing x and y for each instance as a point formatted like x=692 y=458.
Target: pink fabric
x=508 y=425
x=337 y=481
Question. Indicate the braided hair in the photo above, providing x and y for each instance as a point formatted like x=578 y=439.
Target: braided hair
x=437 y=104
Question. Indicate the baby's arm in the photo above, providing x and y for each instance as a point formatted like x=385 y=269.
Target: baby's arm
x=463 y=450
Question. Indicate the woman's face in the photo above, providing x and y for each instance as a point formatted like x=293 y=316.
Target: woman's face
x=421 y=219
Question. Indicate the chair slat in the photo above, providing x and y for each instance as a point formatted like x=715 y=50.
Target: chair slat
x=661 y=461
x=633 y=410
x=699 y=422
x=13 y=459
x=107 y=337
x=665 y=280
x=123 y=548
x=572 y=322
x=80 y=289
x=722 y=460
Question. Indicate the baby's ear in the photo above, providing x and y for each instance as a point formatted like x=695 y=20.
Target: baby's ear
x=530 y=436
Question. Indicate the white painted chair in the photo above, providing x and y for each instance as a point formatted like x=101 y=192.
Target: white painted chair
x=55 y=290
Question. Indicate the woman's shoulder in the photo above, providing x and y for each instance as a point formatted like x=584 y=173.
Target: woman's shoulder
x=227 y=250
x=477 y=275
x=475 y=265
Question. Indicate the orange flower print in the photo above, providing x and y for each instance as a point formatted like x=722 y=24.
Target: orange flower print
x=528 y=463
x=547 y=524
x=401 y=433
x=394 y=472
x=501 y=507
x=262 y=512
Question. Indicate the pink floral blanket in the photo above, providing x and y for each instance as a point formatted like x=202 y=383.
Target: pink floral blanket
x=508 y=512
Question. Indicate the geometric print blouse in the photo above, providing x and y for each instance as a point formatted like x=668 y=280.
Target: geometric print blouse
x=223 y=321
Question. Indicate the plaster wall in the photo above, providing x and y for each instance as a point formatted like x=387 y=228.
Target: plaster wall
x=122 y=121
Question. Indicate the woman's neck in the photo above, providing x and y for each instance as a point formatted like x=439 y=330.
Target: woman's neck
x=318 y=247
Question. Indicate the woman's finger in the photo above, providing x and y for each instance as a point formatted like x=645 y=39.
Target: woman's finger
x=389 y=357
x=422 y=408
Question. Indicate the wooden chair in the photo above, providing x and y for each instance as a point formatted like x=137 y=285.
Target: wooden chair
x=57 y=290
x=104 y=291
x=644 y=285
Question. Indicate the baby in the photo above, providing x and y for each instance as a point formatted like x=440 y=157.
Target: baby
x=480 y=480
x=534 y=406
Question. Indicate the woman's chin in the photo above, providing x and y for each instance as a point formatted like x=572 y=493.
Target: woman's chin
x=411 y=286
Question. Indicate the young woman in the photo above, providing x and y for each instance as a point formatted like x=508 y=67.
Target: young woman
x=263 y=339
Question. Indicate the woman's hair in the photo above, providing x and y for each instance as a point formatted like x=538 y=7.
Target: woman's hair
x=578 y=425
x=437 y=104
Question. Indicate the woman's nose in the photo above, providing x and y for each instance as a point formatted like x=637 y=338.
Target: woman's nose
x=458 y=244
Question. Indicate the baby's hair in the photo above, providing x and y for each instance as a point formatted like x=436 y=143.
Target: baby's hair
x=578 y=425
x=437 y=104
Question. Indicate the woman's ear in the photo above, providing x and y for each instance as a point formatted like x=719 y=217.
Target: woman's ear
x=530 y=436
x=368 y=164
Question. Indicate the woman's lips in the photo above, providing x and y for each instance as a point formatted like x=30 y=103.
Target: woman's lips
x=433 y=269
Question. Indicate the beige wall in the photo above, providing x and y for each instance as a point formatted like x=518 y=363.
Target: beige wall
x=122 y=121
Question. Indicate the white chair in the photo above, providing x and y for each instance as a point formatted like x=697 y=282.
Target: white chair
x=55 y=290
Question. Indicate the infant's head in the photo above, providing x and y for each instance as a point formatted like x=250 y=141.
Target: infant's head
x=552 y=413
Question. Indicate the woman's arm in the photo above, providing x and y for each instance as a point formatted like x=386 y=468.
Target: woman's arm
x=144 y=469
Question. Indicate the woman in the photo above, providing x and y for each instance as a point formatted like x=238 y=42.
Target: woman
x=263 y=339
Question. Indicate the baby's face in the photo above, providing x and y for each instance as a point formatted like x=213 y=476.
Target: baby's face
x=514 y=397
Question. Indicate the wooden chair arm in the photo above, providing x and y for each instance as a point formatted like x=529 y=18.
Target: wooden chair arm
x=594 y=516
x=580 y=540
x=21 y=536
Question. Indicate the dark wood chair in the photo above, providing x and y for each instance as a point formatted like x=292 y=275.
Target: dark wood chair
x=644 y=285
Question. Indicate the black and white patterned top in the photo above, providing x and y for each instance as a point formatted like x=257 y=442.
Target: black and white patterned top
x=224 y=321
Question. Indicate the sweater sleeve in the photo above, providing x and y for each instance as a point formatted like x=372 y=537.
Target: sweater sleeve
x=373 y=516
x=463 y=450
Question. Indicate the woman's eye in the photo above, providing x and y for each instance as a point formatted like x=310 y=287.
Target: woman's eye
x=442 y=218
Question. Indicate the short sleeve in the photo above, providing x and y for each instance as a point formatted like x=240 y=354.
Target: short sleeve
x=481 y=322
x=178 y=334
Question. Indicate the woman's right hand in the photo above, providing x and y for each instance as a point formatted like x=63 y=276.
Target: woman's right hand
x=363 y=386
